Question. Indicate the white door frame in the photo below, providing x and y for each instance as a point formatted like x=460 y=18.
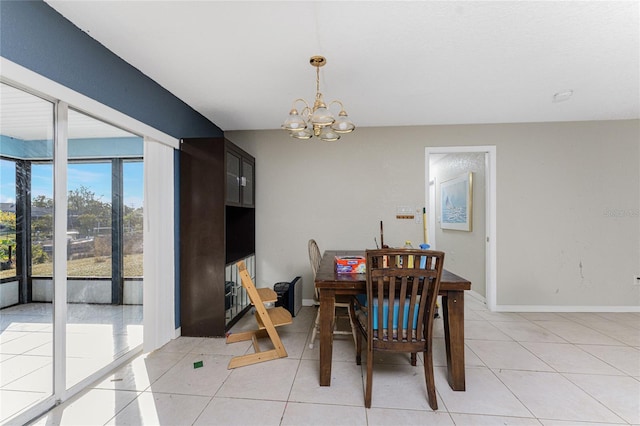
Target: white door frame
x=490 y=171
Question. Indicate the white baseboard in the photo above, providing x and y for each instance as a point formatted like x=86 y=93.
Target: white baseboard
x=477 y=296
x=554 y=308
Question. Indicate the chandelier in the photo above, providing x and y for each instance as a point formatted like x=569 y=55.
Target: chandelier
x=317 y=120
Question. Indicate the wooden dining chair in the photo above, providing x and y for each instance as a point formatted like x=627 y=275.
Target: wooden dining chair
x=267 y=319
x=314 y=259
x=397 y=316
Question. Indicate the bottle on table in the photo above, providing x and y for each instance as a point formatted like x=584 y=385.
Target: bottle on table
x=423 y=260
x=407 y=245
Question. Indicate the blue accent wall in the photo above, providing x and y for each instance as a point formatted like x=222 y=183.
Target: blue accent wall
x=34 y=35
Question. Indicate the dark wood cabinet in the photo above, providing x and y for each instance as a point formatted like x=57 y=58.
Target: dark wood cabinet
x=217 y=228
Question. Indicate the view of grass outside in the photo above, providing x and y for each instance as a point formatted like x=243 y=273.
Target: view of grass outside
x=7 y=244
x=7 y=250
x=90 y=267
x=85 y=267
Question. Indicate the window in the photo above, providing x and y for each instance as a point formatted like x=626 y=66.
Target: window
x=132 y=218
x=89 y=219
x=41 y=219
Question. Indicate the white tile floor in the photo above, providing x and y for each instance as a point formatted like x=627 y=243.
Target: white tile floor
x=521 y=369
x=96 y=335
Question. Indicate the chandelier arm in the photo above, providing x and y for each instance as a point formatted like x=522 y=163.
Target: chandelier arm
x=300 y=100
x=336 y=102
x=306 y=112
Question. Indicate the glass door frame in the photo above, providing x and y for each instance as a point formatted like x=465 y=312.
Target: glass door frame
x=60 y=160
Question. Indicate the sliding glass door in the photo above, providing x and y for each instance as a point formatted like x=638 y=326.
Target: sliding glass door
x=71 y=250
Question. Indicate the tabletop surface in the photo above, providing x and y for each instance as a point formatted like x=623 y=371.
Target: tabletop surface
x=327 y=276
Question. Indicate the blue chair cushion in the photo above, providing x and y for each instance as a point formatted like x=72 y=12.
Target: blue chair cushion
x=385 y=312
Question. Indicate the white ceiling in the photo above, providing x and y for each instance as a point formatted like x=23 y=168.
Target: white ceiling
x=392 y=63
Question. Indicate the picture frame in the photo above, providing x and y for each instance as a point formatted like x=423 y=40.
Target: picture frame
x=456 y=203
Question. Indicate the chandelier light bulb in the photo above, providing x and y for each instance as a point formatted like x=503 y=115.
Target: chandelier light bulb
x=322 y=117
x=329 y=135
x=343 y=124
x=302 y=134
x=294 y=122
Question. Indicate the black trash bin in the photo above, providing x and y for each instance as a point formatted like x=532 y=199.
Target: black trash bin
x=281 y=290
x=289 y=297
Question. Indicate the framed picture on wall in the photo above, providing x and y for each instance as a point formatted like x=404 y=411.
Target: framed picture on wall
x=456 y=203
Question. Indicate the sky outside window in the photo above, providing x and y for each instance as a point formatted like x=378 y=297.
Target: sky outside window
x=7 y=181
x=88 y=175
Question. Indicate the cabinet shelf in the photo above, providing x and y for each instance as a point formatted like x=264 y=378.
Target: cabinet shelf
x=237 y=300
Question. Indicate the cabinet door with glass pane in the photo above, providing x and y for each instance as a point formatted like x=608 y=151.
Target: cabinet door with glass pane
x=233 y=163
x=240 y=177
x=247 y=182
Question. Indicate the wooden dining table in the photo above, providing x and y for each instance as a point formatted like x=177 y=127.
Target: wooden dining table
x=330 y=285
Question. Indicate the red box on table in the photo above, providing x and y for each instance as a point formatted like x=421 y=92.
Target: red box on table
x=350 y=265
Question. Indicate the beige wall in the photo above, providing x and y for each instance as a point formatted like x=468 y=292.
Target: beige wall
x=568 y=197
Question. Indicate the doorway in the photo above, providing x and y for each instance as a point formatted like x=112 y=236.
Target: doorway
x=482 y=161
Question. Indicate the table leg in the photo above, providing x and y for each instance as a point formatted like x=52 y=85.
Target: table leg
x=327 y=316
x=453 y=314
